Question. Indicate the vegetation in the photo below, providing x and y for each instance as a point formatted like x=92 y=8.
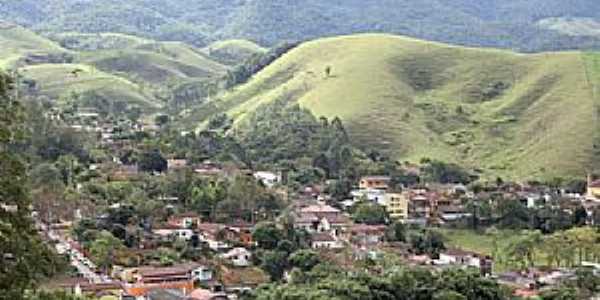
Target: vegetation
x=427 y=100
x=329 y=282
x=526 y=25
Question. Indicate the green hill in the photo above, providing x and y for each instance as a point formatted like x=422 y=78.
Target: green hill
x=509 y=114
x=232 y=52
x=97 y=41
x=17 y=42
x=61 y=81
x=154 y=67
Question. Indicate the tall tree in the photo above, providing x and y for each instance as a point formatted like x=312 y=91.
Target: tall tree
x=23 y=256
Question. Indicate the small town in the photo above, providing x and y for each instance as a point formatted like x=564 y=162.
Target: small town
x=178 y=240
x=299 y=150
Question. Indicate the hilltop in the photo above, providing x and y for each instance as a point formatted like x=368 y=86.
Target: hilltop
x=508 y=114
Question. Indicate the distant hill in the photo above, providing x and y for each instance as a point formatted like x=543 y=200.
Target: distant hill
x=525 y=25
x=107 y=67
x=509 y=114
x=232 y=52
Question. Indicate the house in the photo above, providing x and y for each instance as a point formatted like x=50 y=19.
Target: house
x=239 y=257
x=373 y=195
x=208 y=169
x=397 y=205
x=176 y=164
x=211 y=233
x=188 y=220
x=123 y=173
x=321 y=218
x=450 y=213
x=457 y=257
x=593 y=188
x=166 y=231
x=203 y=294
x=145 y=280
x=374 y=182
x=269 y=179
x=363 y=234
x=323 y=240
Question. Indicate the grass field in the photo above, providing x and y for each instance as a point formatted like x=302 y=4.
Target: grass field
x=511 y=115
x=484 y=243
x=57 y=81
x=232 y=52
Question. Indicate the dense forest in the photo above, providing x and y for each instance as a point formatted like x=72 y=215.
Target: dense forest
x=523 y=25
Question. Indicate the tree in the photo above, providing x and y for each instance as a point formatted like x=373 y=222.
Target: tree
x=161 y=120
x=274 y=263
x=152 y=161
x=327 y=71
x=397 y=232
x=267 y=235
x=370 y=213
x=580 y=216
x=24 y=257
x=427 y=242
x=103 y=249
x=305 y=260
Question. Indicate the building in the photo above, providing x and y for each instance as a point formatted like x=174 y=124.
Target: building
x=189 y=220
x=203 y=294
x=373 y=195
x=269 y=179
x=323 y=240
x=374 y=182
x=167 y=231
x=148 y=279
x=593 y=189
x=397 y=205
x=239 y=257
x=176 y=164
x=363 y=234
x=456 y=257
x=321 y=218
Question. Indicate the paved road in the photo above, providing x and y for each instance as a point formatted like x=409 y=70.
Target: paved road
x=84 y=266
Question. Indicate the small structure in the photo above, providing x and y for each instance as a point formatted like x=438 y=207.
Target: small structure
x=324 y=241
x=176 y=164
x=269 y=179
x=239 y=257
x=187 y=220
x=374 y=182
x=363 y=234
x=203 y=294
x=463 y=258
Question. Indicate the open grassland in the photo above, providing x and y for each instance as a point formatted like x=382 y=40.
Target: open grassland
x=232 y=52
x=60 y=81
x=492 y=243
x=513 y=115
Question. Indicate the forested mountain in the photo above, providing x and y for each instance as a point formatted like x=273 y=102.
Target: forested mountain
x=526 y=25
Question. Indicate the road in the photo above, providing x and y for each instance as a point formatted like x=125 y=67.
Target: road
x=84 y=266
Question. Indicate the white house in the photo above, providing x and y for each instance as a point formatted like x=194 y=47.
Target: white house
x=374 y=195
x=325 y=241
x=269 y=179
x=202 y=274
x=239 y=257
x=169 y=231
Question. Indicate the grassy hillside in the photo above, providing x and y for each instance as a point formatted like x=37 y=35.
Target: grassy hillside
x=60 y=81
x=232 y=52
x=97 y=41
x=17 y=42
x=509 y=114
